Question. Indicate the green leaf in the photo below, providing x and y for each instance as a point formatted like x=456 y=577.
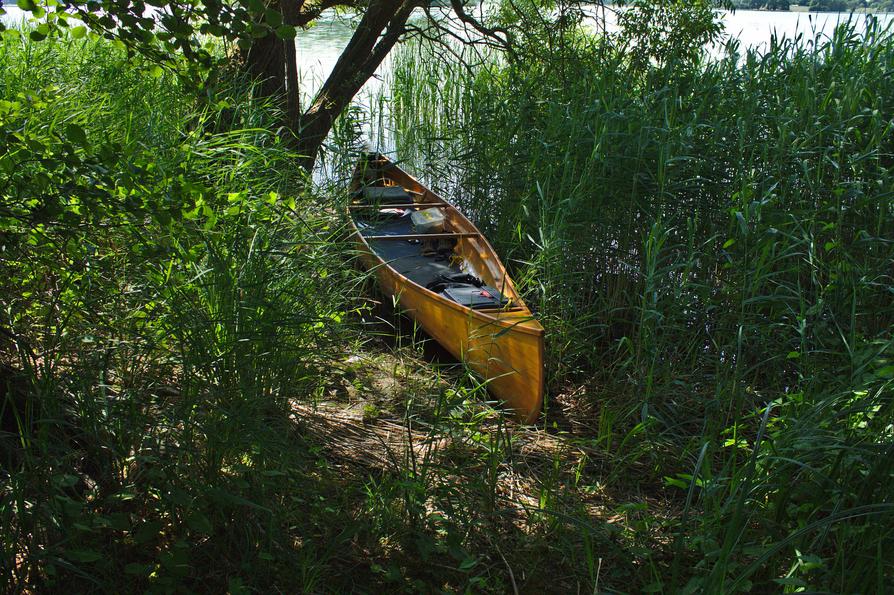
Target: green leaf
x=147 y=531
x=793 y=355
x=76 y=135
x=886 y=372
x=65 y=480
x=258 y=30
x=728 y=243
x=791 y=581
x=78 y=32
x=677 y=483
x=28 y=5
x=743 y=225
x=199 y=522
x=235 y=586
x=286 y=32
x=273 y=17
x=84 y=556
x=138 y=569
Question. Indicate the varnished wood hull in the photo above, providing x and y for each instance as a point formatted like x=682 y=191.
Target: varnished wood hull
x=504 y=347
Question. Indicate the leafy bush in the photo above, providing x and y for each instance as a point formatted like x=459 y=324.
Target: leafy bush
x=168 y=291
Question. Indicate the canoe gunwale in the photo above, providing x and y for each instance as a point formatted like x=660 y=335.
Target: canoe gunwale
x=511 y=324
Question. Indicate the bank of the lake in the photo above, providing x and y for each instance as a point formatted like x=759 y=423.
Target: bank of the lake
x=202 y=393
x=708 y=243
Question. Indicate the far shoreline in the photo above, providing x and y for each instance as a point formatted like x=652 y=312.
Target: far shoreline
x=803 y=9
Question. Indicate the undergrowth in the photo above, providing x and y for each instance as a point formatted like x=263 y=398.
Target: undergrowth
x=708 y=243
x=167 y=292
x=191 y=398
x=192 y=401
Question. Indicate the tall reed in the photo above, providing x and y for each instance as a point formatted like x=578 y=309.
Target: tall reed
x=702 y=243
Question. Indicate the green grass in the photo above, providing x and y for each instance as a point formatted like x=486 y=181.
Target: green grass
x=709 y=247
x=168 y=293
x=199 y=396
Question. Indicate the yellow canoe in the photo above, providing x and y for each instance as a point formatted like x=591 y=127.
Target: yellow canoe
x=495 y=334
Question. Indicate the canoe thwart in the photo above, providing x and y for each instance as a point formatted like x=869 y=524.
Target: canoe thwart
x=440 y=205
x=499 y=310
x=423 y=236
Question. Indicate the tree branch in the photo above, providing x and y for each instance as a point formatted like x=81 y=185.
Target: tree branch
x=379 y=30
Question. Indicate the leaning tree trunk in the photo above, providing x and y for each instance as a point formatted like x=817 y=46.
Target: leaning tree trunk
x=272 y=63
x=379 y=30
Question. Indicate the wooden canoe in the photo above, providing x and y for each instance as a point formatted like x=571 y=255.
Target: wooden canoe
x=503 y=344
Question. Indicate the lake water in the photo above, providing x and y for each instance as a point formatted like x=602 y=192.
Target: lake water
x=320 y=46
x=753 y=28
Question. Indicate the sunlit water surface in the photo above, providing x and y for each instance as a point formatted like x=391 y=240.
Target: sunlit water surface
x=319 y=46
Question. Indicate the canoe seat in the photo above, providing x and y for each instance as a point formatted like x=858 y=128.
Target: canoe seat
x=407 y=259
x=386 y=194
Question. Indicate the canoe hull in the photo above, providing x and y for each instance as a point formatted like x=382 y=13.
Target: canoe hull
x=502 y=345
x=507 y=356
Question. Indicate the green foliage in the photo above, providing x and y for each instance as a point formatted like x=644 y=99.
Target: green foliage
x=708 y=247
x=172 y=33
x=167 y=293
x=667 y=33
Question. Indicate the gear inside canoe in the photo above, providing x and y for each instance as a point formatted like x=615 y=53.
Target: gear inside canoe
x=444 y=274
x=432 y=263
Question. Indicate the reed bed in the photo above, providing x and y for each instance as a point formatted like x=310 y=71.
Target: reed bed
x=191 y=399
x=709 y=245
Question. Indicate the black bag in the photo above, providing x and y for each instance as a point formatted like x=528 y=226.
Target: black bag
x=467 y=290
x=445 y=280
x=475 y=297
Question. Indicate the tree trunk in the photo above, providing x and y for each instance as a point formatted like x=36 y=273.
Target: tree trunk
x=379 y=30
x=272 y=63
x=293 y=107
x=266 y=65
x=291 y=9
